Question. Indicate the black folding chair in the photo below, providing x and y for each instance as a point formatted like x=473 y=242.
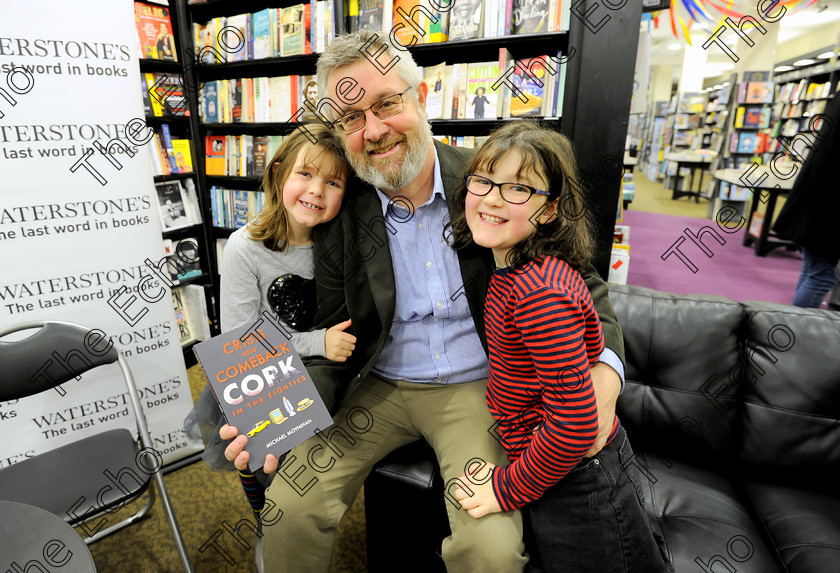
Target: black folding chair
x=86 y=480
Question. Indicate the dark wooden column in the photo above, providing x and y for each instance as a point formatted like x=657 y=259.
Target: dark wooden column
x=596 y=108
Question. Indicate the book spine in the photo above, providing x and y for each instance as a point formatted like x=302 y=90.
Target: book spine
x=307 y=29
x=167 y=140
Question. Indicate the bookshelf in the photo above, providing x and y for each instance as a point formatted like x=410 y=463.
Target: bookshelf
x=179 y=126
x=600 y=51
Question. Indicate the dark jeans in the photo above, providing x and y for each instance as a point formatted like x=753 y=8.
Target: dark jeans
x=594 y=519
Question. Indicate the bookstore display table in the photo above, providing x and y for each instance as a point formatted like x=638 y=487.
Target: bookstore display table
x=692 y=161
x=765 y=240
x=30 y=535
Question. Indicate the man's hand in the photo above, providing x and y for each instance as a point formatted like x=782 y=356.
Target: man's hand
x=483 y=500
x=235 y=453
x=607 y=385
x=339 y=345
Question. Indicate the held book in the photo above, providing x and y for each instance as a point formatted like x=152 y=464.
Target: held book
x=263 y=388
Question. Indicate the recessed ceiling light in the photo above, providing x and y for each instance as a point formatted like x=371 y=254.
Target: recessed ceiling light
x=675 y=46
x=717 y=87
x=805 y=62
x=783 y=68
x=726 y=83
x=825 y=55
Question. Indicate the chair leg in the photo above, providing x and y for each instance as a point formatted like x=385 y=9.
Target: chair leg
x=173 y=524
x=137 y=516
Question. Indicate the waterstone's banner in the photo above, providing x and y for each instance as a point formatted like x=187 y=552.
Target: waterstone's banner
x=78 y=218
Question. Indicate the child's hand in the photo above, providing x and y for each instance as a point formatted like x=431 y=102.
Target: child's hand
x=483 y=500
x=235 y=453
x=339 y=345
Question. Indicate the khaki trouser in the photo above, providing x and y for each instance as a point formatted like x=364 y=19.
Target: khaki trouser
x=321 y=477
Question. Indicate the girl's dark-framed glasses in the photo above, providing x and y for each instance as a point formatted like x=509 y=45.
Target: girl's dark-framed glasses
x=515 y=193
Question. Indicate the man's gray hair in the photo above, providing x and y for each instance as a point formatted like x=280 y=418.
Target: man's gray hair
x=350 y=48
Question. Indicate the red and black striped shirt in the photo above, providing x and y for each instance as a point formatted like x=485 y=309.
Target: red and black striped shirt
x=543 y=334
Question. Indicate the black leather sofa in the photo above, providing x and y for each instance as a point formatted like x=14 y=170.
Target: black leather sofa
x=734 y=412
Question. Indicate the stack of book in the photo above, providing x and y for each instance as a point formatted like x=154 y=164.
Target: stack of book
x=270 y=33
x=465 y=20
x=239 y=155
x=170 y=155
x=257 y=100
x=232 y=208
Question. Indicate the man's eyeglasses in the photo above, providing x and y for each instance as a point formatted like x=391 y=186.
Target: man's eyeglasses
x=355 y=120
x=516 y=193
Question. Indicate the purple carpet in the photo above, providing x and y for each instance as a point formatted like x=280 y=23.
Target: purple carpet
x=733 y=271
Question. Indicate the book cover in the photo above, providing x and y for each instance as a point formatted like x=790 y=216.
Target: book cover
x=262 y=34
x=759 y=92
x=526 y=100
x=263 y=388
x=240 y=209
x=167 y=91
x=752 y=117
x=465 y=20
x=173 y=214
x=214 y=154
x=742 y=93
x=235 y=100
x=681 y=121
x=481 y=99
x=529 y=16
x=280 y=99
x=189 y=261
x=167 y=143
x=434 y=78
x=292 y=42
x=240 y=23
x=260 y=154
x=195 y=305
x=183 y=156
x=147 y=101
x=371 y=15
x=308 y=92
x=437 y=30
x=765 y=116
x=210 y=102
x=154 y=31
x=733 y=143
x=747 y=143
x=403 y=29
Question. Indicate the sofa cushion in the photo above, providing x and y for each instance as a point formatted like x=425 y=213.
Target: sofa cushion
x=792 y=394
x=802 y=524
x=679 y=351
x=703 y=518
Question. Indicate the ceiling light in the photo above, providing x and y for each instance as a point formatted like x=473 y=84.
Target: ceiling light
x=675 y=46
x=805 y=62
x=717 y=87
x=778 y=69
x=825 y=55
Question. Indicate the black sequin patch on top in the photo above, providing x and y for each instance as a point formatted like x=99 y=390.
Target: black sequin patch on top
x=292 y=298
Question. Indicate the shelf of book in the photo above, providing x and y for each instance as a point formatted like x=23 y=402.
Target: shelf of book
x=599 y=53
x=244 y=183
x=167 y=112
x=162 y=178
x=521 y=47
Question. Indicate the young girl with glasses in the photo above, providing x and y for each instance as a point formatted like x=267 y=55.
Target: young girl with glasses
x=521 y=199
x=268 y=266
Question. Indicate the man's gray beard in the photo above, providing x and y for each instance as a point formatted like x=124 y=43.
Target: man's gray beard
x=417 y=142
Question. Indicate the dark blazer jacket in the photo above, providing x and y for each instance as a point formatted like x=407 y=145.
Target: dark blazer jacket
x=355 y=279
x=809 y=216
